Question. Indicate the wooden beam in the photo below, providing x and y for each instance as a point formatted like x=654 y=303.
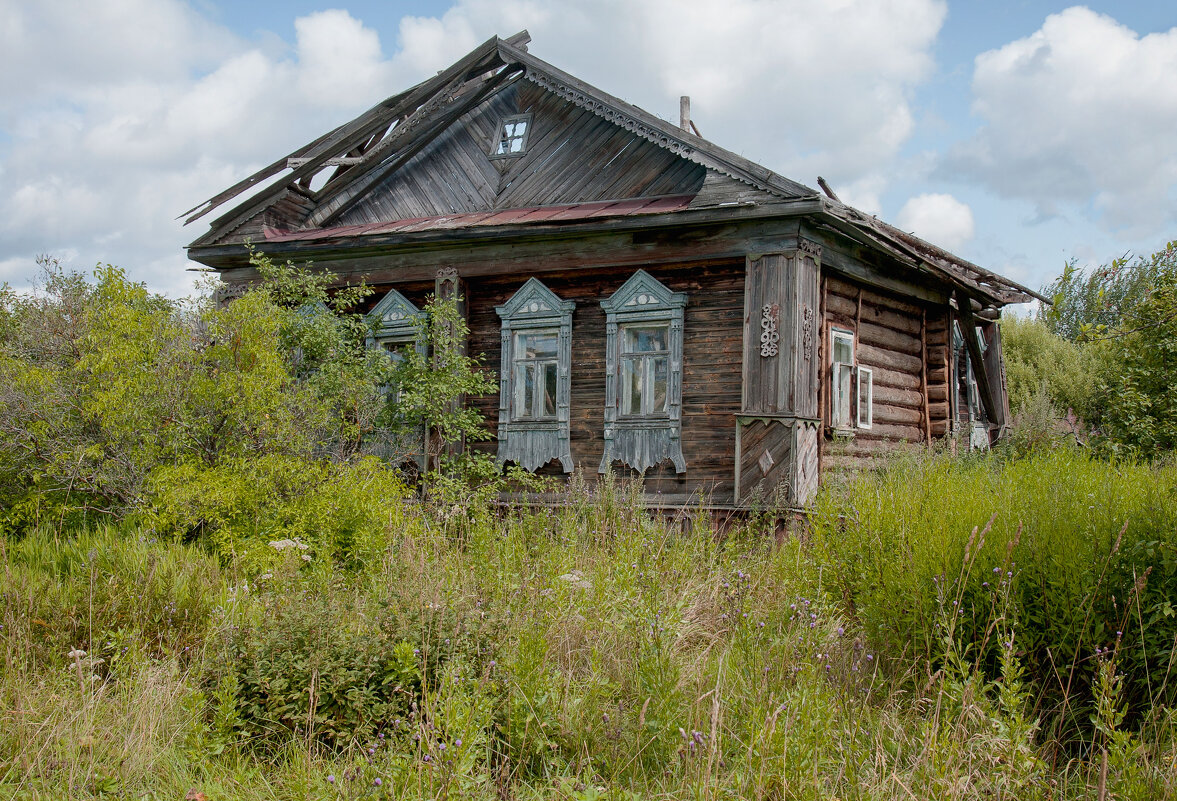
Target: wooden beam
x=968 y=325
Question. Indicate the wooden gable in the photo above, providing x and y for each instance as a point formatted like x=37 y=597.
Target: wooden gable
x=572 y=156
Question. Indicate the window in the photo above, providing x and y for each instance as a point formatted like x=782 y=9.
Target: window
x=645 y=370
x=535 y=395
x=512 y=139
x=536 y=374
x=866 y=380
x=851 y=385
x=643 y=375
x=396 y=325
x=842 y=377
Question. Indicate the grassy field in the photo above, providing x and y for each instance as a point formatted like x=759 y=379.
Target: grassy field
x=942 y=629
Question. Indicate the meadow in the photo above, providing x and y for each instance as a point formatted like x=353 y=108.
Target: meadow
x=990 y=627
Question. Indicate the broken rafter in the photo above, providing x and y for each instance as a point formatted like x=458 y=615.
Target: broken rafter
x=343 y=140
x=334 y=203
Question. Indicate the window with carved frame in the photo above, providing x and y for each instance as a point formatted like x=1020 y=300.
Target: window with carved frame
x=643 y=375
x=396 y=325
x=535 y=376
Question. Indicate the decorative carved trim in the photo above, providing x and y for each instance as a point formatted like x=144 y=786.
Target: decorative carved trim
x=526 y=442
x=395 y=317
x=447 y=273
x=769 y=335
x=810 y=248
x=642 y=442
x=807 y=330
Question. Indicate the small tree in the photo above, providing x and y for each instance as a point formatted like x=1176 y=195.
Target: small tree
x=1139 y=398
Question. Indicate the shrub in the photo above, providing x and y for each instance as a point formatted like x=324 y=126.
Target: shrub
x=1070 y=534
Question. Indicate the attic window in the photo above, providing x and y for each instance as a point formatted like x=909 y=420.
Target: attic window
x=512 y=136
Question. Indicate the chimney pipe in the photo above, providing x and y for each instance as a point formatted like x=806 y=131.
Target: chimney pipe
x=684 y=113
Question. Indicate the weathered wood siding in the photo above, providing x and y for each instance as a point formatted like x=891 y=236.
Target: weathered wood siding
x=889 y=334
x=572 y=156
x=712 y=343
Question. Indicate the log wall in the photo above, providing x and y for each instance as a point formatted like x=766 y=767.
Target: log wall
x=712 y=348
x=903 y=342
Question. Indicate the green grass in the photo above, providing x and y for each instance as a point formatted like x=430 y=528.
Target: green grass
x=593 y=651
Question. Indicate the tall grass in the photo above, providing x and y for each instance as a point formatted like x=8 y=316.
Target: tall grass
x=586 y=651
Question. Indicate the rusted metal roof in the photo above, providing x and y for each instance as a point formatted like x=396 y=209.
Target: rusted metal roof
x=524 y=216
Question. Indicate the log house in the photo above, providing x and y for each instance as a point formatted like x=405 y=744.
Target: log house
x=654 y=304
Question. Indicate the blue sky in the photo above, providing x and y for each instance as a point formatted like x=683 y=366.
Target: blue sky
x=1017 y=134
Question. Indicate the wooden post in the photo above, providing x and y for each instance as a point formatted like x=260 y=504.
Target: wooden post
x=448 y=285
x=684 y=112
x=924 y=375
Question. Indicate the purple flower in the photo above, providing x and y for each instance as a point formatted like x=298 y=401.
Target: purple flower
x=441 y=746
x=425 y=758
x=458 y=743
x=380 y=735
x=869 y=658
x=378 y=781
x=331 y=778
x=997 y=570
x=371 y=750
x=841 y=631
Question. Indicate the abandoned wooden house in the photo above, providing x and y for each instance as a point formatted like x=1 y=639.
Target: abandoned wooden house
x=652 y=302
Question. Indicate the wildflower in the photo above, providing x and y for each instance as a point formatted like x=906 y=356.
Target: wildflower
x=371 y=750
x=381 y=734
x=378 y=782
x=761 y=624
x=330 y=778
x=458 y=743
x=426 y=758
x=997 y=570
x=793 y=607
x=841 y=631
x=869 y=658
x=1119 y=634
x=492 y=663
x=441 y=746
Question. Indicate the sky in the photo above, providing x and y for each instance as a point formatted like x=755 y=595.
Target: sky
x=1019 y=134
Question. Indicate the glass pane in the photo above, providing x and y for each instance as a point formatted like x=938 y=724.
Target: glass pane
x=646 y=339
x=842 y=375
x=843 y=349
x=865 y=385
x=631 y=386
x=517 y=145
x=661 y=369
x=536 y=345
x=549 y=399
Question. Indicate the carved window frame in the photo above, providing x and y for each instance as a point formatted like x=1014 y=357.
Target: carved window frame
x=528 y=441
x=396 y=320
x=502 y=137
x=642 y=441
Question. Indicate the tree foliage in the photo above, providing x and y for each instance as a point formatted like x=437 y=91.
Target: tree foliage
x=203 y=416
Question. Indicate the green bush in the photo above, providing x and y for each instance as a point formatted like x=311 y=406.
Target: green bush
x=1037 y=361
x=1068 y=533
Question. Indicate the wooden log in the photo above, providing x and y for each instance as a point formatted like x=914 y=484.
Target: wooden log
x=884 y=377
x=888 y=338
x=899 y=415
x=880 y=357
x=896 y=396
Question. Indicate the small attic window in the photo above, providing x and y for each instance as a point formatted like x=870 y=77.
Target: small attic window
x=512 y=139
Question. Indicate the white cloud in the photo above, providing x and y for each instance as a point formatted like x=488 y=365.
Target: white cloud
x=115 y=116
x=940 y=219
x=1080 y=115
